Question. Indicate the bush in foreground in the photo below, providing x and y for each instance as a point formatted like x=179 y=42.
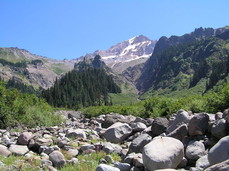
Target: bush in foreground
x=28 y=110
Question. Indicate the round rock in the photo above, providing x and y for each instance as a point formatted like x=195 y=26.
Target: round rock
x=219 y=152
x=111 y=148
x=24 y=138
x=139 y=142
x=181 y=118
x=180 y=132
x=163 y=153
x=4 y=151
x=76 y=133
x=117 y=132
x=195 y=150
x=57 y=158
x=123 y=166
x=159 y=125
x=198 y=124
x=219 y=128
x=138 y=126
x=19 y=150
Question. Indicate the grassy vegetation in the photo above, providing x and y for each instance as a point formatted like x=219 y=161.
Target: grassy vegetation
x=213 y=101
x=20 y=163
x=9 y=56
x=136 y=109
x=59 y=68
x=177 y=92
x=123 y=99
x=88 y=162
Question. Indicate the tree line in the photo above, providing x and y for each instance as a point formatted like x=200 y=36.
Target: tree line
x=89 y=87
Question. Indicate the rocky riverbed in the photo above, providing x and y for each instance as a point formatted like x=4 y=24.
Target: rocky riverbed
x=185 y=141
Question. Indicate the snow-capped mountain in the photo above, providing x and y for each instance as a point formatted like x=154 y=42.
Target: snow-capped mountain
x=127 y=53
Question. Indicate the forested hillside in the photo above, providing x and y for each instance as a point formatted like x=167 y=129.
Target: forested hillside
x=198 y=64
x=88 y=87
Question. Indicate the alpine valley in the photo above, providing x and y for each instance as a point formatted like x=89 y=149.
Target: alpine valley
x=140 y=105
x=179 y=64
x=40 y=71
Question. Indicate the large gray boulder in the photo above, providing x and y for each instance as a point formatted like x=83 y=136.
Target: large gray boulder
x=181 y=118
x=44 y=141
x=48 y=149
x=219 y=152
x=198 y=125
x=105 y=167
x=138 y=143
x=4 y=151
x=195 y=150
x=76 y=133
x=162 y=153
x=123 y=166
x=180 y=132
x=18 y=150
x=36 y=144
x=117 y=132
x=73 y=152
x=159 y=125
x=57 y=158
x=111 y=148
x=113 y=118
x=75 y=114
x=132 y=158
x=24 y=138
x=138 y=126
x=87 y=147
x=219 y=128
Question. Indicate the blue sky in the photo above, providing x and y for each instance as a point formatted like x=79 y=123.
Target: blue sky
x=71 y=28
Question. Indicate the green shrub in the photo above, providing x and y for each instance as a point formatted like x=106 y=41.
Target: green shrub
x=213 y=101
x=134 y=109
x=217 y=100
x=29 y=110
x=162 y=106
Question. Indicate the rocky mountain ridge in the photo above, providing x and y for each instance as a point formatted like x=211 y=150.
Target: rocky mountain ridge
x=39 y=71
x=162 y=64
x=44 y=73
x=125 y=54
x=197 y=34
x=126 y=59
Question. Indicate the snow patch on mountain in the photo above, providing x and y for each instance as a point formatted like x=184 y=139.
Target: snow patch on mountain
x=130 y=50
